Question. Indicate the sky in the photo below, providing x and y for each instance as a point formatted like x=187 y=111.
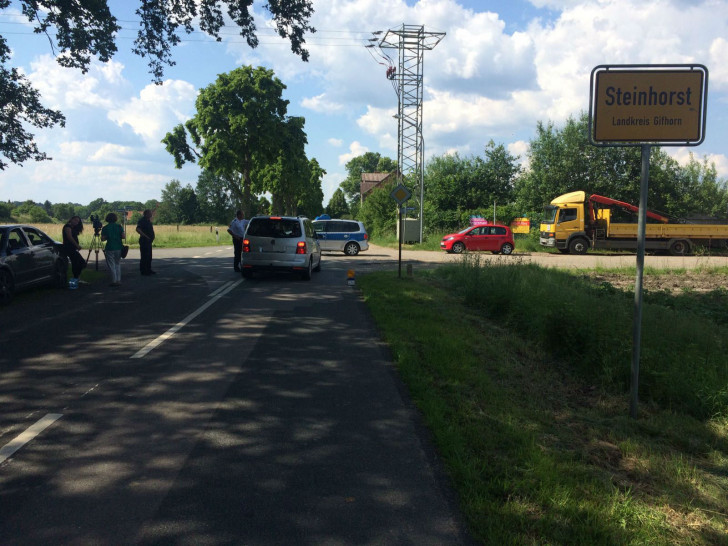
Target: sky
x=502 y=67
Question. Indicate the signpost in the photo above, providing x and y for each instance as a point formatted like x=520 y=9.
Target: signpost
x=401 y=195
x=646 y=105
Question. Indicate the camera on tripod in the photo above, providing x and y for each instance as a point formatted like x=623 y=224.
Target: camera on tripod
x=96 y=222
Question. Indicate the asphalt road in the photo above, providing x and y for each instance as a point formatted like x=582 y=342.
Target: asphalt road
x=195 y=407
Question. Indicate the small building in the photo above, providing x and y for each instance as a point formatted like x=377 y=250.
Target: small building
x=369 y=181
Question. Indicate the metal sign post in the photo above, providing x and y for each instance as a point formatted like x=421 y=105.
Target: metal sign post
x=645 y=105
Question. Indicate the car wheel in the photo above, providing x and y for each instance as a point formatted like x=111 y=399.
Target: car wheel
x=318 y=266
x=351 y=249
x=60 y=274
x=458 y=247
x=507 y=248
x=247 y=273
x=308 y=272
x=7 y=287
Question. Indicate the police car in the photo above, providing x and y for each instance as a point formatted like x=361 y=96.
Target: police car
x=347 y=236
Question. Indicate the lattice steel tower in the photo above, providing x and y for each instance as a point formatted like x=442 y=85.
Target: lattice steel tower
x=411 y=41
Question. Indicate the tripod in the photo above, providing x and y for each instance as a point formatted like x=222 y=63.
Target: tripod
x=95 y=246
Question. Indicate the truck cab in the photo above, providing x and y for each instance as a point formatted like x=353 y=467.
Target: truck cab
x=563 y=225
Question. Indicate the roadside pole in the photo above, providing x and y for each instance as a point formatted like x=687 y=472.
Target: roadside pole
x=401 y=227
x=637 y=319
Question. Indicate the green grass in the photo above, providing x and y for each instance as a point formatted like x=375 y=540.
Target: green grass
x=521 y=374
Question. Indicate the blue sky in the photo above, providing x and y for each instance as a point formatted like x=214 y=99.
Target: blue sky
x=502 y=67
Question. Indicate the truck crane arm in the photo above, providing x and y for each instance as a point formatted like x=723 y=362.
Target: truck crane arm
x=609 y=201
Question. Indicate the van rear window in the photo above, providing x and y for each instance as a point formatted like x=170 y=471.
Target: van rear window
x=279 y=228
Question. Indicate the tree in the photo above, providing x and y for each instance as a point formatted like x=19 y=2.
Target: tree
x=370 y=162
x=38 y=215
x=236 y=129
x=311 y=197
x=5 y=211
x=379 y=211
x=288 y=177
x=189 y=209
x=457 y=187
x=337 y=207
x=88 y=29
x=170 y=209
x=214 y=198
x=563 y=160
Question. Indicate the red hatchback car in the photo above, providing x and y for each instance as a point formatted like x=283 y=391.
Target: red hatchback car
x=492 y=237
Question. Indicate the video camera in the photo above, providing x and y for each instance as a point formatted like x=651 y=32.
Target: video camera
x=96 y=222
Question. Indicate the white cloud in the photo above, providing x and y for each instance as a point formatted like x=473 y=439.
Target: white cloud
x=321 y=104
x=335 y=142
x=355 y=149
x=157 y=109
x=69 y=89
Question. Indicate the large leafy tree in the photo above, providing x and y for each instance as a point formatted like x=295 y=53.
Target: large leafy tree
x=237 y=129
x=81 y=29
x=287 y=177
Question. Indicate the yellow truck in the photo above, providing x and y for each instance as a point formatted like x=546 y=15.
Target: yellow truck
x=573 y=223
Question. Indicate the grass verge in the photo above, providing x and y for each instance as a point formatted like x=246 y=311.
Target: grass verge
x=531 y=420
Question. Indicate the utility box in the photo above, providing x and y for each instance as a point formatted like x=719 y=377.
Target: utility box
x=410 y=231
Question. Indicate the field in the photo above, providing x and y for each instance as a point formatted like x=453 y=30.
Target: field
x=166 y=236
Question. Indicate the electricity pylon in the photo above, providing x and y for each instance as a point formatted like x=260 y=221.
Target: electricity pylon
x=410 y=41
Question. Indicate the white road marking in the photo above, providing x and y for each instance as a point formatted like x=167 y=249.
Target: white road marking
x=223 y=287
x=24 y=437
x=177 y=327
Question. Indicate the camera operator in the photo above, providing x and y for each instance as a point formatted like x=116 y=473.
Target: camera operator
x=71 y=248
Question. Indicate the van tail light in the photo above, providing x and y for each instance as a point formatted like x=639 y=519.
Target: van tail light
x=246 y=245
x=366 y=236
x=301 y=247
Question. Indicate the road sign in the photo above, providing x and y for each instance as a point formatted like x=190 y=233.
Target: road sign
x=401 y=194
x=656 y=104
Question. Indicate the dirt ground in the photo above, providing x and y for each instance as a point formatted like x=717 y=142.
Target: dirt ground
x=674 y=283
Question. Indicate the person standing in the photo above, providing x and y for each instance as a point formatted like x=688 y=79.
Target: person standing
x=113 y=234
x=237 y=231
x=71 y=248
x=145 y=229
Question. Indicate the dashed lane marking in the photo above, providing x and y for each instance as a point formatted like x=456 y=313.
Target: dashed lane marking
x=31 y=432
x=144 y=351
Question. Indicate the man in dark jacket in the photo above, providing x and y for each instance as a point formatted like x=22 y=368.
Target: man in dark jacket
x=145 y=229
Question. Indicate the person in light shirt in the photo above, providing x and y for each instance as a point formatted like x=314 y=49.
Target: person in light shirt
x=237 y=232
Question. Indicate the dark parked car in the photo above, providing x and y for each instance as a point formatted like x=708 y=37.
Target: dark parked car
x=29 y=257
